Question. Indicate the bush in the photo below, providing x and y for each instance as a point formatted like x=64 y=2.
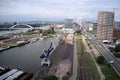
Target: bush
x=49 y=31
x=65 y=78
x=112 y=49
x=117 y=54
x=50 y=77
x=78 y=32
x=100 y=59
x=117 y=48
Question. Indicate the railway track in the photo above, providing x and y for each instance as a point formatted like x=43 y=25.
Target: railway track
x=84 y=72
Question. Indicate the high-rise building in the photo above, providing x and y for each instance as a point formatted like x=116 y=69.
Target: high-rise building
x=79 y=21
x=69 y=23
x=105 y=25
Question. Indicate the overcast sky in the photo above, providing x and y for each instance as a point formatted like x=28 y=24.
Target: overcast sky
x=28 y=10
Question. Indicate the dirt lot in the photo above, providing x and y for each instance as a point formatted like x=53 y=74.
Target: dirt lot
x=62 y=61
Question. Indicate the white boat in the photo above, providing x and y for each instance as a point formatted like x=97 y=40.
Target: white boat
x=34 y=40
x=19 y=43
x=41 y=38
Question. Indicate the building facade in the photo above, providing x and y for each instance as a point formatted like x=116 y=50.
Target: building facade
x=117 y=25
x=79 y=21
x=105 y=25
x=116 y=33
x=69 y=23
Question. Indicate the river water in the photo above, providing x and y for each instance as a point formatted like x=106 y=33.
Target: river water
x=26 y=57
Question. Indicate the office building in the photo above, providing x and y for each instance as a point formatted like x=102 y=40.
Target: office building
x=69 y=23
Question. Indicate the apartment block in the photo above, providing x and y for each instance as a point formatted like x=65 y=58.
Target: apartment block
x=105 y=25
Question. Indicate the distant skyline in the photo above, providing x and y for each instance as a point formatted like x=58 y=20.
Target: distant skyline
x=33 y=10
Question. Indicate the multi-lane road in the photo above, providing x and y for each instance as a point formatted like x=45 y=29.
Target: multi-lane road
x=105 y=52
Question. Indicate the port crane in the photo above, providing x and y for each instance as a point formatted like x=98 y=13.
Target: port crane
x=46 y=54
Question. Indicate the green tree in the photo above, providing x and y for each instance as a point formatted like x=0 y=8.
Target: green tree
x=117 y=48
x=40 y=31
x=100 y=59
x=65 y=78
x=49 y=31
x=114 y=40
x=78 y=32
x=50 y=77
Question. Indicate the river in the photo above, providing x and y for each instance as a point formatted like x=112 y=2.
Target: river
x=26 y=57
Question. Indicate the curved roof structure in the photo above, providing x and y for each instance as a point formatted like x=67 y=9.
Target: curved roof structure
x=21 y=26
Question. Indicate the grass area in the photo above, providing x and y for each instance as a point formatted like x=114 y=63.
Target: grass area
x=78 y=36
x=5 y=45
x=78 y=44
x=93 y=32
x=109 y=73
x=92 y=66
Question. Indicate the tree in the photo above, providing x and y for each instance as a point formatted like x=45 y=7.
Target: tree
x=114 y=40
x=49 y=31
x=40 y=31
x=100 y=59
x=65 y=78
x=117 y=48
x=78 y=32
x=50 y=77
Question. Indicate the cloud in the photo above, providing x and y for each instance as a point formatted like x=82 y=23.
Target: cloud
x=56 y=8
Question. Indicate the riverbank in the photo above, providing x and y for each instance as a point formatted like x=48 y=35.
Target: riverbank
x=8 y=44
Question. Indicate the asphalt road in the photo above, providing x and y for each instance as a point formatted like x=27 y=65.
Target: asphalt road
x=74 y=71
x=106 y=53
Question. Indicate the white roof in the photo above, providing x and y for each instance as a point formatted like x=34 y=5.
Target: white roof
x=106 y=41
x=8 y=74
x=20 y=42
x=15 y=75
x=2 y=68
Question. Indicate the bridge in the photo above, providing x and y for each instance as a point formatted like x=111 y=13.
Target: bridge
x=18 y=27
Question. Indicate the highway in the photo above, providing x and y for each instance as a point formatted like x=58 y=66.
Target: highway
x=105 y=52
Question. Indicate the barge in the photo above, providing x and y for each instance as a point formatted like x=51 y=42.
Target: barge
x=14 y=74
